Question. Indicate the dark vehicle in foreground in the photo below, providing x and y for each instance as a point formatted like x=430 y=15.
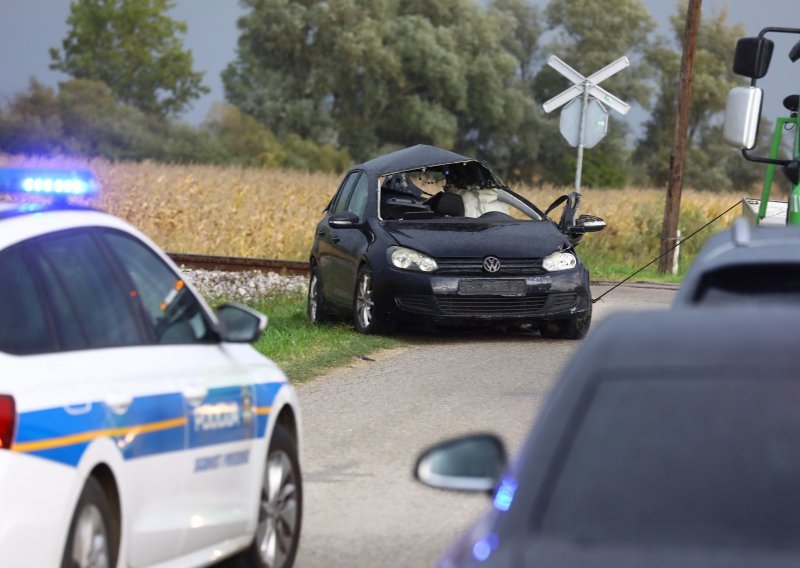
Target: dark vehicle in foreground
x=745 y=265
x=665 y=443
x=429 y=236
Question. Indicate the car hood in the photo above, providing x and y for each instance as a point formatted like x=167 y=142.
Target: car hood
x=472 y=237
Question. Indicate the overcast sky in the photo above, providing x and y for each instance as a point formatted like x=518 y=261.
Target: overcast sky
x=29 y=27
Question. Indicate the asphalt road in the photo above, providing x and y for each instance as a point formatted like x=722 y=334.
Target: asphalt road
x=366 y=424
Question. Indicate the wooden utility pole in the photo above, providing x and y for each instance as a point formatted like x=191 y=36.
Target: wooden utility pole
x=673 y=205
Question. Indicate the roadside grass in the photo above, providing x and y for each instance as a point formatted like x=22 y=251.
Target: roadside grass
x=305 y=351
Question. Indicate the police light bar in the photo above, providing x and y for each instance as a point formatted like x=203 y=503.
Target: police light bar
x=51 y=182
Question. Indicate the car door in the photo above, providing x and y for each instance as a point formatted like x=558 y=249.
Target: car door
x=348 y=244
x=327 y=241
x=110 y=384
x=217 y=398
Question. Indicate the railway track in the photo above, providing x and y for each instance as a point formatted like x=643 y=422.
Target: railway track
x=239 y=264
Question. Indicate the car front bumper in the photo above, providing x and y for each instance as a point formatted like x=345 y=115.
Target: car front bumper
x=419 y=297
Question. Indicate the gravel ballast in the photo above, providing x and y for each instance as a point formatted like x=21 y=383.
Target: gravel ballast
x=250 y=286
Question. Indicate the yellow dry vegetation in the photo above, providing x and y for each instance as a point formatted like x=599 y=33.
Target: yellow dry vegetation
x=273 y=213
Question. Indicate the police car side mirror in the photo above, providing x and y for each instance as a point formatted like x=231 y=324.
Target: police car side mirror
x=240 y=324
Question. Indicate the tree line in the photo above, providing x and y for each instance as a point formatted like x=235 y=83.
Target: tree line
x=323 y=84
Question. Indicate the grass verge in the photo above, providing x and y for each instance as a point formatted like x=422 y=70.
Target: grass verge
x=305 y=351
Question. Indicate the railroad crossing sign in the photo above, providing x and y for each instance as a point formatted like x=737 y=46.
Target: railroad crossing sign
x=584 y=124
x=581 y=84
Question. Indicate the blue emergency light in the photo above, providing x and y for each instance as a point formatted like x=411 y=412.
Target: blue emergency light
x=59 y=184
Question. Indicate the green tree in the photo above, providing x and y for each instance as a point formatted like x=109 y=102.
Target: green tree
x=374 y=75
x=31 y=122
x=709 y=162
x=246 y=141
x=133 y=47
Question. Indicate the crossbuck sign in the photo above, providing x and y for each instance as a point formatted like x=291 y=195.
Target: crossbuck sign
x=584 y=124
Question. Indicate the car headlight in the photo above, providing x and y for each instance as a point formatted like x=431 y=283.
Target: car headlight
x=559 y=261
x=407 y=259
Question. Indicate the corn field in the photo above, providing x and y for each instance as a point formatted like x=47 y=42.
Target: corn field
x=273 y=213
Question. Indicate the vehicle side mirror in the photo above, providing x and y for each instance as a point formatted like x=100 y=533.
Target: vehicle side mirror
x=589 y=224
x=742 y=116
x=472 y=463
x=240 y=324
x=752 y=58
x=794 y=54
x=344 y=220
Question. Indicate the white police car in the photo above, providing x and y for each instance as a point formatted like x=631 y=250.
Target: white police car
x=137 y=427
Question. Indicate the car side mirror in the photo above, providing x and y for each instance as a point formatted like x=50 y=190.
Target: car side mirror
x=742 y=116
x=589 y=224
x=752 y=57
x=240 y=324
x=471 y=463
x=344 y=220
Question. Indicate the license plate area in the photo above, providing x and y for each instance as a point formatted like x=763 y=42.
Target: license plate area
x=492 y=287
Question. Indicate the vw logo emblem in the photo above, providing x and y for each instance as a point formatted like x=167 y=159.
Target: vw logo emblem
x=491 y=264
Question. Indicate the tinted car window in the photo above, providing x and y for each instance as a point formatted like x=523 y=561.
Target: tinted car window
x=340 y=201
x=700 y=461
x=173 y=313
x=71 y=334
x=358 y=200
x=23 y=327
x=91 y=288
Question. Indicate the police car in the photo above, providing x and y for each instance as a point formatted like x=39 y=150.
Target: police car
x=137 y=426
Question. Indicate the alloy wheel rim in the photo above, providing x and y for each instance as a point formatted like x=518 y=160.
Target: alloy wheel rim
x=277 y=519
x=312 y=298
x=364 y=303
x=90 y=540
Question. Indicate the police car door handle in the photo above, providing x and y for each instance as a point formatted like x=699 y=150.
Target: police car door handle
x=195 y=394
x=119 y=403
x=78 y=409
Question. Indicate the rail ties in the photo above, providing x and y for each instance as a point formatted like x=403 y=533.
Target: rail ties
x=239 y=264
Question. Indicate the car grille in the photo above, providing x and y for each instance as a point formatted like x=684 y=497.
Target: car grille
x=562 y=301
x=490 y=305
x=474 y=265
x=478 y=306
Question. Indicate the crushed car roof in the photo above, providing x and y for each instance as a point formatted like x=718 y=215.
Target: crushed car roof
x=413 y=158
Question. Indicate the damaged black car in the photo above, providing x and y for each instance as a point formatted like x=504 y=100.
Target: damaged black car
x=424 y=235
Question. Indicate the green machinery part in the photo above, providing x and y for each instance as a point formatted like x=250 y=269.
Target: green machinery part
x=793 y=210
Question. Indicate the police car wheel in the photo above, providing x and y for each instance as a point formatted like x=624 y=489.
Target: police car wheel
x=91 y=542
x=280 y=507
x=316 y=309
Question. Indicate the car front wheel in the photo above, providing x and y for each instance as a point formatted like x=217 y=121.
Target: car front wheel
x=91 y=542
x=280 y=509
x=366 y=318
x=572 y=328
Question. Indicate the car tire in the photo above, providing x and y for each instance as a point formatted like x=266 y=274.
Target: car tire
x=572 y=328
x=91 y=542
x=280 y=509
x=367 y=320
x=316 y=309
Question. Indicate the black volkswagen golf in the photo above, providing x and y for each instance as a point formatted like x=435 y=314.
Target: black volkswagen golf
x=425 y=235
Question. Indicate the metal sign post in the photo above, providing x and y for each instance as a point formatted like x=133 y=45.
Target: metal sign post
x=586 y=124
